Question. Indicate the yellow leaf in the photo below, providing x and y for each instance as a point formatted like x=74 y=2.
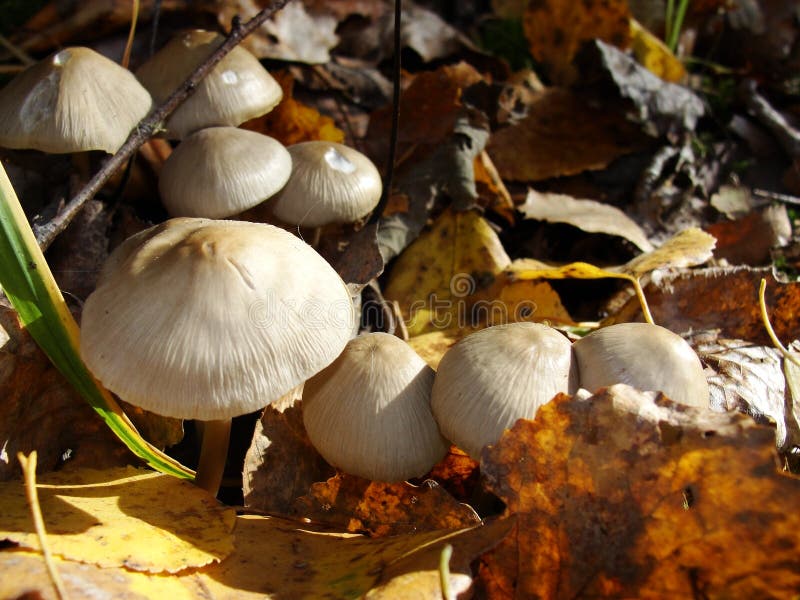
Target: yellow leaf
x=654 y=55
x=688 y=248
x=437 y=279
x=140 y=519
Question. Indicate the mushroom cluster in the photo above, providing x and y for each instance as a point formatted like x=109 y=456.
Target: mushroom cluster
x=204 y=319
x=492 y=378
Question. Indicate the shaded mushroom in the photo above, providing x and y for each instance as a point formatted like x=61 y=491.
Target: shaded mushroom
x=647 y=357
x=222 y=171
x=203 y=319
x=75 y=100
x=239 y=88
x=330 y=183
x=369 y=414
x=495 y=376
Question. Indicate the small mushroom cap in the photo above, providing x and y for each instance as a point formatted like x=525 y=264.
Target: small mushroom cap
x=369 y=413
x=221 y=171
x=203 y=319
x=497 y=375
x=75 y=100
x=239 y=88
x=330 y=183
x=647 y=357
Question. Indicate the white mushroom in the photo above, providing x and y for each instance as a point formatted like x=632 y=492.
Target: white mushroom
x=497 y=375
x=647 y=357
x=239 y=88
x=369 y=414
x=330 y=183
x=222 y=171
x=73 y=101
x=203 y=319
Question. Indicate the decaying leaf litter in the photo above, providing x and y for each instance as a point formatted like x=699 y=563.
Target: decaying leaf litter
x=552 y=160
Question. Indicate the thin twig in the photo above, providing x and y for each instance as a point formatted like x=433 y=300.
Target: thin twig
x=28 y=464
x=45 y=234
x=21 y=55
x=387 y=184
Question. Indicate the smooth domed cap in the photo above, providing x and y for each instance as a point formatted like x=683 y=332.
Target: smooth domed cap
x=239 y=88
x=369 y=414
x=330 y=183
x=647 y=357
x=73 y=101
x=493 y=377
x=203 y=319
x=222 y=171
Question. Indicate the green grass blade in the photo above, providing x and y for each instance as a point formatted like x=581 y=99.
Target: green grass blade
x=29 y=285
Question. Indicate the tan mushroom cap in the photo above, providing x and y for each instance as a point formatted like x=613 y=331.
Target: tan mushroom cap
x=239 y=88
x=221 y=171
x=369 y=414
x=75 y=100
x=330 y=183
x=493 y=377
x=203 y=319
x=647 y=357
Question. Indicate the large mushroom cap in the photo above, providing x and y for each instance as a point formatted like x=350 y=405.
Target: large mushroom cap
x=239 y=88
x=369 y=414
x=647 y=357
x=206 y=319
x=73 y=101
x=222 y=171
x=493 y=377
x=330 y=183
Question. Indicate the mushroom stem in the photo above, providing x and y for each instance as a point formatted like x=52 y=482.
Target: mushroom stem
x=315 y=237
x=213 y=453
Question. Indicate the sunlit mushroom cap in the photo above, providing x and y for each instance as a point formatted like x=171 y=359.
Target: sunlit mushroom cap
x=73 y=101
x=203 y=319
x=493 y=377
x=647 y=357
x=330 y=183
x=221 y=171
x=369 y=414
x=239 y=88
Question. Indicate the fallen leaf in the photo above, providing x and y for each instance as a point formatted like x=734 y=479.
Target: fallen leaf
x=292 y=34
x=687 y=248
x=431 y=346
x=654 y=55
x=292 y=121
x=382 y=509
x=750 y=378
x=128 y=517
x=556 y=29
x=588 y=215
x=626 y=494
x=719 y=298
x=281 y=463
x=39 y=410
x=563 y=134
x=659 y=106
x=272 y=558
x=440 y=276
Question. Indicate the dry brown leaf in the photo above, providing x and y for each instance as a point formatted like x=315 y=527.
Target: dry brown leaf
x=39 y=410
x=556 y=29
x=381 y=509
x=720 y=298
x=138 y=519
x=562 y=135
x=281 y=463
x=628 y=495
x=457 y=473
x=292 y=121
x=588 y=215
